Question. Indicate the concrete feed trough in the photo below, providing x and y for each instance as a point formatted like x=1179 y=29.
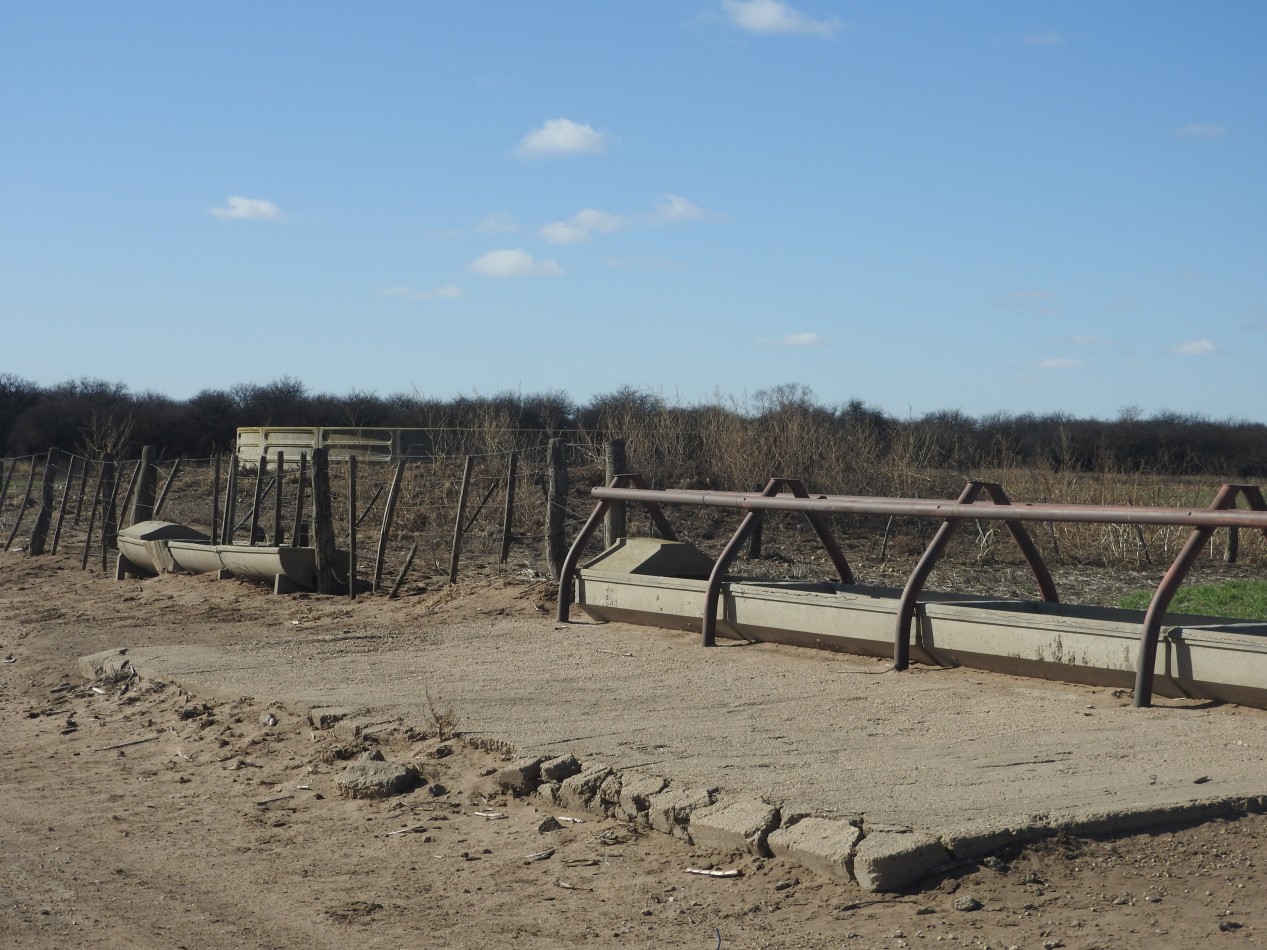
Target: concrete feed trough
x=1201 y=657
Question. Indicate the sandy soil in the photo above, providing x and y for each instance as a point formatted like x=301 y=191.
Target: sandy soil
x=223 y=825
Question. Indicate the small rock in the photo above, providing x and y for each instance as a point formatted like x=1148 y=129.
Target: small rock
x=1201 y=780
x=785 y=884
x=548 y=823
x=442 y=750
x=268 y=719
x=1053 y=944
x=435 y=790
x=374 y=778
x=967 y=904
x=994 y=863
x=485 y=773
x=1227 y=926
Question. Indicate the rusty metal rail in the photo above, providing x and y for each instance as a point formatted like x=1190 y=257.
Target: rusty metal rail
x=785 y=494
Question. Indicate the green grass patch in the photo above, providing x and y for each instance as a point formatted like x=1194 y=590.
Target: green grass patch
x=1243 y=599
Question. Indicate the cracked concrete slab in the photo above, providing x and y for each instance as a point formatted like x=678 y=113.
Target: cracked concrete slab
x=976 y=760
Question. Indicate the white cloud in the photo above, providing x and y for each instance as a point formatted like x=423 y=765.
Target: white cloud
x=673 y=208
x=797 y=340
x=579 y=228
x=1059 y=362
x=1028 y=301
x=1194 y=348
x=405 y=292
x=773 y=16
x=513 y=263
x=1201 y=130
x=562 y=137
x=499 y=222
x=238 y=208
x=1042 y=39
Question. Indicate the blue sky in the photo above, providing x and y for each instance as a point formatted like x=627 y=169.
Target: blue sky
x=963 y=204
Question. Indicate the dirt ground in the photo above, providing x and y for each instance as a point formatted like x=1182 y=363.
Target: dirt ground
x=138 y=814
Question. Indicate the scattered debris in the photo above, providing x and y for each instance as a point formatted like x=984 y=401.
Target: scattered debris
x=406 y=831
x=124 y=745
x=541 y=855
x=716 y=872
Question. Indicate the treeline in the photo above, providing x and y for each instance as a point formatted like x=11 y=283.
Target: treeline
x=723 y=443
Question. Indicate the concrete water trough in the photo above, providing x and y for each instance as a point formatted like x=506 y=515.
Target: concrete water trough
x=1211 y=658
x=149 y=548
x=1170 y=647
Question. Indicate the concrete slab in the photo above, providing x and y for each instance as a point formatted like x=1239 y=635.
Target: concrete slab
x=823 y=845
x=974 y=759
x=739 y=825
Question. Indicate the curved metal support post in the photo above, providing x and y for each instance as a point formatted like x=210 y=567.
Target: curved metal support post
x=915 y=583
x=574 y=554
x=1033 y=557
x=568 y=570
x=708 y=628
x=1150 y=632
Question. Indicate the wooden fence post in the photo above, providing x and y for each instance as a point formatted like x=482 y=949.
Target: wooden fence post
x=22 y=508
x=83 y=485
x=39 y=531
x=467 y=469
x=71 y=462
x=92 y=514
x=1232 y=551
x=322 y=522
x=230 y=502
x=127 y=496
x=389 y=512
x=556 y=508
x=260 y=469
x=26 y=500
x=4 y=487
x=508 y=513
x=278 y=537
x=614 y=525
x=167 y=487
x=297 y=538
x=146 y=482
x=352 y=527
x=109 y=511
x=215 y=499
x=400 y=578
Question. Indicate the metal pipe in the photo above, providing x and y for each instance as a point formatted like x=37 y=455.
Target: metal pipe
x=942 y=509
x=915 y=583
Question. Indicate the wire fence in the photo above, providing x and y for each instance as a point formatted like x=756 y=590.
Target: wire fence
x=503 y=527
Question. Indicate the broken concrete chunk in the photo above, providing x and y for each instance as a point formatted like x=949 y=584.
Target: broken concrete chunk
x=670 y=810
x=109 y=666
x=521 y=776
x=822 y=845
x=368 y=778
x=579 y=791
x=740 y=825
x=608 y=798
x=635 y=793
x=549 y=793
x=324 y=717
x=889 y=861
x=556 y=770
